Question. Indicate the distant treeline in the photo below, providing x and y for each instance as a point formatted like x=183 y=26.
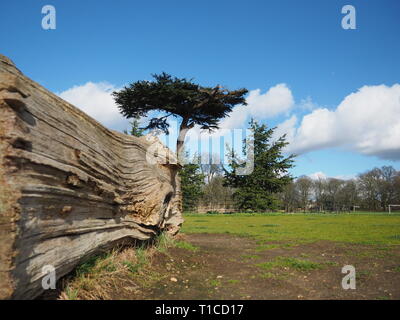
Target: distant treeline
x=373 y=190
x=270 y=187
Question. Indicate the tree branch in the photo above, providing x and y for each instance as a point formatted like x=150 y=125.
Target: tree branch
x=205 y=101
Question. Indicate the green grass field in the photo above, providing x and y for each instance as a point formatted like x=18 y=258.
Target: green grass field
x=362 y=228
x=252 y=256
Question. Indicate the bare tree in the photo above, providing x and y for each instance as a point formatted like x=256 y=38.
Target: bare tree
x=333 y=188
x=210 y=166
x=304 y=187
x=348 y=195
x=289 y=197
x=396 y=185
x=216 y=195
x=319 y=187
x=386 y=186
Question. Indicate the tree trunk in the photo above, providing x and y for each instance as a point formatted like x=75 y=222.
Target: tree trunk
x=70 y=187
x=183 y=129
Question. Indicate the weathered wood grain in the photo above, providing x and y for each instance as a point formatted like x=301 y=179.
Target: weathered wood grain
x=69 y=186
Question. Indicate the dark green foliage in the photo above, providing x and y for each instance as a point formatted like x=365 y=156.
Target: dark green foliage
x=192 y=182
x=135 y=129
x=195 y=104
x=212 y=212
x=257 y=191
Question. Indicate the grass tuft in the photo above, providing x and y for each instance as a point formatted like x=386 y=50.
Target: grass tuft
x=98 y=277
x=233 y=281
x=186 y=245
x=292 y=263
x=215 y=283
x=163 y=241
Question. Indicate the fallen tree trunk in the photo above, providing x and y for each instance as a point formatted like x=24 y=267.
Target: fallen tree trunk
x=69 y=186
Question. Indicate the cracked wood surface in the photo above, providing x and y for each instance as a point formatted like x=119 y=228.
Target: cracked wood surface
x=70 y=187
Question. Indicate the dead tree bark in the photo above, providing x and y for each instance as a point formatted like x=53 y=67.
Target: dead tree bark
x=70 y=187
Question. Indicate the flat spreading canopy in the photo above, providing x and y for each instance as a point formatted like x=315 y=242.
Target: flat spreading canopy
x=176 y=97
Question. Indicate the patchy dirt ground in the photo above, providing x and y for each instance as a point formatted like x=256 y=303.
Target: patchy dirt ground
x=231 y=267
x=221 y=266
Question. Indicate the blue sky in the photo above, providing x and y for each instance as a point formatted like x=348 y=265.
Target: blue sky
x=334 y=91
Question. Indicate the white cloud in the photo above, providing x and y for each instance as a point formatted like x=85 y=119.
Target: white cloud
x=367 y=121
x=308 y=104
x=318 y=175
x=237 y=118
x=345 y=176
x=322 y=175
x=95 y=99
x=287 y=127
x=276 y=100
